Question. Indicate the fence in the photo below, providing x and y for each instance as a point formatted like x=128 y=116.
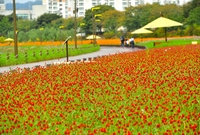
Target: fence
x=34 y=56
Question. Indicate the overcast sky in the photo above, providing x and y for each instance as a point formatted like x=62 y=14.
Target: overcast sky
x=17 y=1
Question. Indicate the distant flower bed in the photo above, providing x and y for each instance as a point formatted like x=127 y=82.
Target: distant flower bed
x=80 y=42
x=155 y=91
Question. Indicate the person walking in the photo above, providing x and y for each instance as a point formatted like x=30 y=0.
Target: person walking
x=132 y=42
x=122 y=41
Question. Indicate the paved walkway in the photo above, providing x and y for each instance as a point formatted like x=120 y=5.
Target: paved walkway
x=101 y=52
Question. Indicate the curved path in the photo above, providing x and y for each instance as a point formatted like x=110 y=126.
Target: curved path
x=101 y=52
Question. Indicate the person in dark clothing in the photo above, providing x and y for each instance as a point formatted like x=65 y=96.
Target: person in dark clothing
x=132 y=43
x=122 y=41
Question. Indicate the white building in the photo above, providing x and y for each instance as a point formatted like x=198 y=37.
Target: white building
x=66 y=7
x=37 y=10
x=2 y=6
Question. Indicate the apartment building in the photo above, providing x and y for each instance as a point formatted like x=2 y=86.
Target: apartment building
x=66 y=7
x=34 y=13
x=2 y=6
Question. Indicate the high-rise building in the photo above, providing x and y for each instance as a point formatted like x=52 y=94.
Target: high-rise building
x=66 y=7
x=2 y=6
x=31 y=13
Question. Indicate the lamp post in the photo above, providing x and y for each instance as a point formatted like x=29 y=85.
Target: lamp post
x=15 y=29
x=93 y=23
x=75 y=21
x=61 y=27
x=41 y=29
x=96 y=20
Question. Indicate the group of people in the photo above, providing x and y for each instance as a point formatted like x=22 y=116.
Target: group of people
x=127 y=42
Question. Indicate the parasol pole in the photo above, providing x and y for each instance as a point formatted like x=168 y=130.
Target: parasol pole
x=165 y=34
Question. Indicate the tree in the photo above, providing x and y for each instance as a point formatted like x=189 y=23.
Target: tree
x=25 y=25
x=190 y=6
x=46 y=19
x=89 y=14
x=112 y=19
x=194 y=17
x=5 y=26
x=137 y=17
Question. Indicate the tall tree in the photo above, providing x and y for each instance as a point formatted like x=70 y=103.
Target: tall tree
x=137 y=17
x=190 y=6
x=46 y=19
x=89 y=14
x=25 y=25
x=194 y=17
x=112 y=19
x=5 y=26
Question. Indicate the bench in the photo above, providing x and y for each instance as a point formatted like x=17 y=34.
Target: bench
x=156 y=43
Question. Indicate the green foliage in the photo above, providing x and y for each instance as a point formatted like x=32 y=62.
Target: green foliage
x=46 y=19
x=194 y=17
x=190 y=6
x=5 y=26
x=132 y=18
x=109 y=34
x=137 y=17
x=112 y=19
x=25 y=25
x=88 y=28
x=2 y=39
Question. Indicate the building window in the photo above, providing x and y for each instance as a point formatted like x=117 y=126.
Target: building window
x=60 y=4
x=112 y=4
x=81 y=13
x=22 y=16
x=80 y=8
x=60 y=8
x=81 y=4
x=124 y=3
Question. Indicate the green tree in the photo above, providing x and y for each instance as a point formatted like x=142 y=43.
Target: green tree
x=46 y=19
x=112 y=19
x=25 y=25
x=5 y=26
x=190 y=6
x=194 y=17
x=89 y=14
x=137 y=17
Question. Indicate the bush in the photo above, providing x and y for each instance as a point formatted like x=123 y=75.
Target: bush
x=2 y=39
x=109 y=35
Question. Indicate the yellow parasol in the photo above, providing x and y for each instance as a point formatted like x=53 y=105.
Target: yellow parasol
x=162 y=22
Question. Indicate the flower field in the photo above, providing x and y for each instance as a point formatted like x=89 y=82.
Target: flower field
x=154 y=91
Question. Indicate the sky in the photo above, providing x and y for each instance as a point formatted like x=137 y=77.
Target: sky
x=17 y=1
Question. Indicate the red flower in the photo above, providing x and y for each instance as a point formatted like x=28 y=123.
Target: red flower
x=67 y=132
x=103 y=130
x=158 y=125
x=149 y=123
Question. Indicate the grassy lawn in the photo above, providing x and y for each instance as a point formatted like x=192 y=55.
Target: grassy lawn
x=28 y=54
x=172 y=42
